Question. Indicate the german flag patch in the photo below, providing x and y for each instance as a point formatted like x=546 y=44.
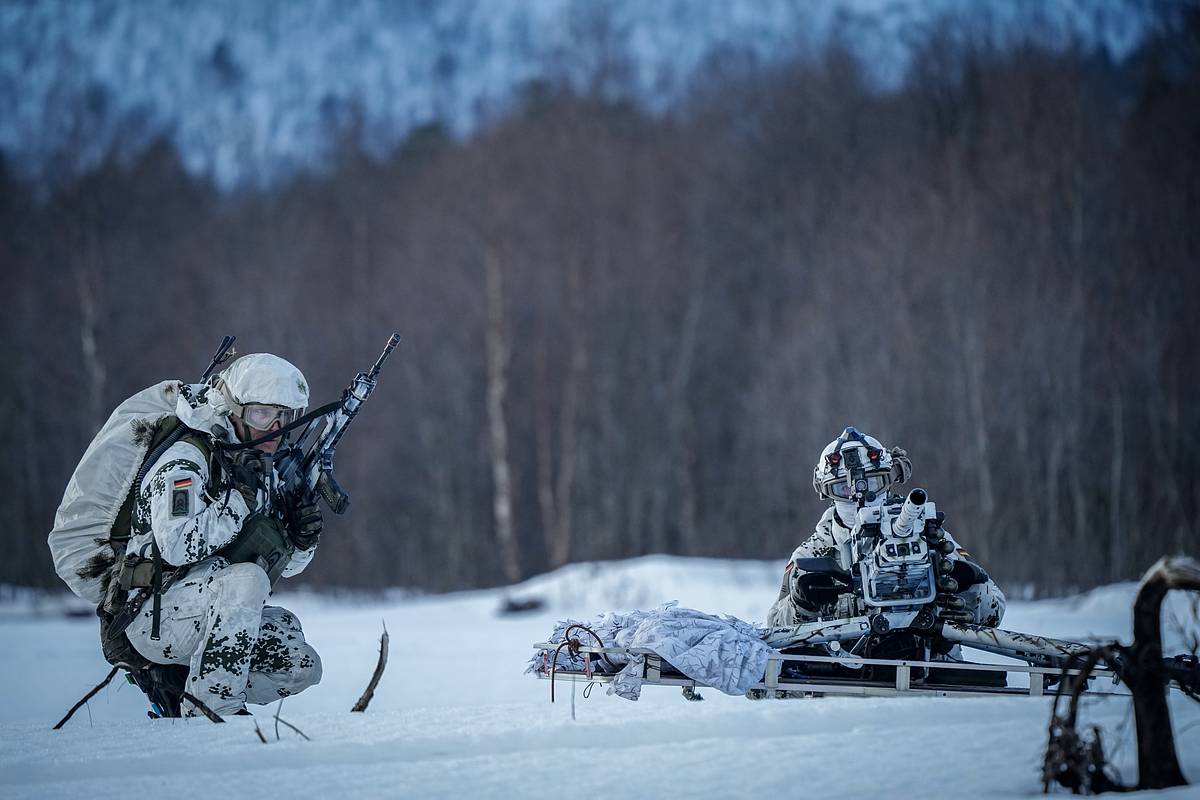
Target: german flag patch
x=181 y=497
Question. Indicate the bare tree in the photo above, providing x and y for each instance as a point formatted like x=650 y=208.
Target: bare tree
x=499 y=351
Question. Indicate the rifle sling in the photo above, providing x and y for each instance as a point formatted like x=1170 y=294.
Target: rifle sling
x=156 y=589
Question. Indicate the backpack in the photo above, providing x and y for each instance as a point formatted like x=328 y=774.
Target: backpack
x=92 y=524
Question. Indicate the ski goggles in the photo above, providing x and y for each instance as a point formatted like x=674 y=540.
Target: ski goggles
x=262 y=416
x=844 y=487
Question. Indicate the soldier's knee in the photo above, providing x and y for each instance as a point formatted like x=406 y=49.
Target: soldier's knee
x=243 y=582
x=785 y=613
x=987 y=603
x=310 y=669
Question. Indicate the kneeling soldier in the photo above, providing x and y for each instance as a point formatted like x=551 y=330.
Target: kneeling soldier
x=223 y=534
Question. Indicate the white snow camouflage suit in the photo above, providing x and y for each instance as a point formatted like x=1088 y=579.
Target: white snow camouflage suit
x=985 y=602
x=214 y=618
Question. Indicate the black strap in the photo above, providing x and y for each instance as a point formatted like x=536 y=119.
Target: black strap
x=153 y=458
x=156 y=589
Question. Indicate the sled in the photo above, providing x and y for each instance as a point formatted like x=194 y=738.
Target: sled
x=813 y=660
x=791 y=676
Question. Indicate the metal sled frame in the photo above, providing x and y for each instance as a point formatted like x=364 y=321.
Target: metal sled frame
x=657 y=672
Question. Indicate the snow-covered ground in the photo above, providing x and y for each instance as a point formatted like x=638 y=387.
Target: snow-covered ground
x=456 y=717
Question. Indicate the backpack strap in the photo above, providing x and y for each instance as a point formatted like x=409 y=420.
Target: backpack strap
x=142 y=573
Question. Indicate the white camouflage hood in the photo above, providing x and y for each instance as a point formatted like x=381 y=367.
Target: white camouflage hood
x=202 y=408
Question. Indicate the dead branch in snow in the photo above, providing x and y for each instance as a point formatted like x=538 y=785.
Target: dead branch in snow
x=203 y=709
x=289 y=725
x=363 y=701
x=86 y=697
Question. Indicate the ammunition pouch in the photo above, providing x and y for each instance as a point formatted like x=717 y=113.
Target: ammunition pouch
x=137 y=573
x=263 y=540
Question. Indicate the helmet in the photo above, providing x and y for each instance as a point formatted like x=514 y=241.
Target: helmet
x=261 y=388
x=857 y=467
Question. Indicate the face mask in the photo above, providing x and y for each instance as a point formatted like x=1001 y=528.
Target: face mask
x=848 y=512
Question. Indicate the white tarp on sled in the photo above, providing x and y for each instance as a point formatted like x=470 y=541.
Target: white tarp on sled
x=722 y=652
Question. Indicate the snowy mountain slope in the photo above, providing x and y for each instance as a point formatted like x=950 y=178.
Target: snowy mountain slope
x=454 y=715
x=253 y=91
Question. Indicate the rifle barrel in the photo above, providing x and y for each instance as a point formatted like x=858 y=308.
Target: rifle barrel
x=387 y=351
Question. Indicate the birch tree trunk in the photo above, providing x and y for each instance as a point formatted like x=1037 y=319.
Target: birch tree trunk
x=568 y=456
x=86 y=284
x=543 y=434
x=556 y=471
x=498 y=352
x=1116 y=534
x=974 y=357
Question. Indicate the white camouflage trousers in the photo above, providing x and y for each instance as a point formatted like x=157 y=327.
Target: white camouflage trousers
x=238 y=650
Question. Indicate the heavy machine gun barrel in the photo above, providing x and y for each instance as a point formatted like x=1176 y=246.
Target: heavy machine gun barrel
x=911 y=511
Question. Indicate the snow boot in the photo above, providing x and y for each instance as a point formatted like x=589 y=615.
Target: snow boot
x=163 y=685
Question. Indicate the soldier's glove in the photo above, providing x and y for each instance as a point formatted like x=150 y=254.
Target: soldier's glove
x=901 y=465
x=967 y=573
x=815 y=590
x=951 y=607
x=954 y=578
x=304 y=527
x=248 y=471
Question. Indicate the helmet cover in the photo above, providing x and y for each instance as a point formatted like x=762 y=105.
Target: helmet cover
x=852 y=457
x=264 y=378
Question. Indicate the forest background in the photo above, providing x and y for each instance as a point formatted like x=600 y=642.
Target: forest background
x=632 y=332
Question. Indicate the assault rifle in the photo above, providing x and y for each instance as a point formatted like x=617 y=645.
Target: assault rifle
x=305 y=467
x=305 y=470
